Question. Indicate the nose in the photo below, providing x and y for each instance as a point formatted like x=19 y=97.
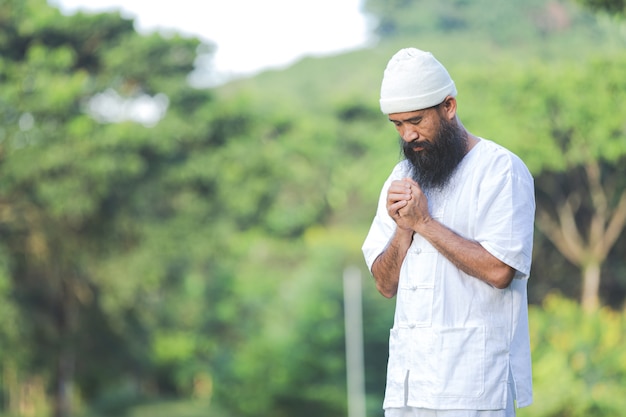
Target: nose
x=409 y=134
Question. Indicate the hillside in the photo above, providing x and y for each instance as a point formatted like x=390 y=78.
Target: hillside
x=466 y=39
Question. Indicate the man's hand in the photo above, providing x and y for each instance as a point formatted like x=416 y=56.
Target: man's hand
x=407 y=204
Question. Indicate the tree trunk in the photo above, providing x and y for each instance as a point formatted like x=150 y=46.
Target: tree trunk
x=590 y=298
x=587 y=250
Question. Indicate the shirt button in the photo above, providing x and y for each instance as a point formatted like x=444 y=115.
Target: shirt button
x=414 y=287
x=411 y=325
x=418 y=251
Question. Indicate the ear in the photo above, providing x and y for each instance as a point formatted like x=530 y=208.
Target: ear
x=448 y=107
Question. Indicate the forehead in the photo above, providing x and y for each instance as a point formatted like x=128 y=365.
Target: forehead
x=409 y=115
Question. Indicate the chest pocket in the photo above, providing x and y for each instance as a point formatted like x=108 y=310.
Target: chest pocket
x=417 y=285
x=420 y=266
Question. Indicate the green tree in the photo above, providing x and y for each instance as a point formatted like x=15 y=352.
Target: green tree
x=579 y=363
x=569 y=130
x=508 y=22
x=69 y=189
x=613 y=7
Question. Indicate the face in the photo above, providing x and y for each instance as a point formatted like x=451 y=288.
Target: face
x=433 y=143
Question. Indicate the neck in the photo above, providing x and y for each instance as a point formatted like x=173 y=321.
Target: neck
x=471 y=139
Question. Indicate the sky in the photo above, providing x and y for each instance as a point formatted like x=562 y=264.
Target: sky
x=250 y=35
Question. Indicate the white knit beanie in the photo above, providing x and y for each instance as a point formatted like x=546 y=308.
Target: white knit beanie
x=414 y=80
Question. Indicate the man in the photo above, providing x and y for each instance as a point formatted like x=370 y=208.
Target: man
x=452 y=239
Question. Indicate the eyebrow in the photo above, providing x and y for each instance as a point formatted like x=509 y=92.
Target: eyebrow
x=413 y=119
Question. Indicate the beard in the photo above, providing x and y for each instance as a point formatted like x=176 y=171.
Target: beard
x=433 y=166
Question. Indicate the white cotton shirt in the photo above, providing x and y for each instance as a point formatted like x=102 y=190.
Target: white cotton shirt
x=455 y=338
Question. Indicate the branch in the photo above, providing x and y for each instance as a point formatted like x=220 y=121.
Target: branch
x=616 y=225
x=563 y=233
x=597 y=226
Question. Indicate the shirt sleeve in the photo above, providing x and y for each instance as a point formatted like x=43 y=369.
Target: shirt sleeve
x=506 y=212
x=383 y=226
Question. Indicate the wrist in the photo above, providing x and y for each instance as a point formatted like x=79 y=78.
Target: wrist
x=402 y=238
x=423 y=224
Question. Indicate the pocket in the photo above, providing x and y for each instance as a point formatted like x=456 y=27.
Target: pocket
x=420 y=265
x=417 y=307
x=460 y=368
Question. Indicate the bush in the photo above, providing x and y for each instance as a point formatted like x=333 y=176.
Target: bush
x=579 y=360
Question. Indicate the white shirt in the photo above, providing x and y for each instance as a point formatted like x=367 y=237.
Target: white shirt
x=455 y=338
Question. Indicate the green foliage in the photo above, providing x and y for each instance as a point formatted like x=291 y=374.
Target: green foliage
x=70 y=192
x=565 y=110
x=613 y=7
x=579 y=364
x=199 y=258
x=505 y=23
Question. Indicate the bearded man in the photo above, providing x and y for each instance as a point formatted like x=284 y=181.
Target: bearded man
x=452 y=240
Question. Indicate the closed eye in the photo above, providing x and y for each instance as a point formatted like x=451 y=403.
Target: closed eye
x=414 y=121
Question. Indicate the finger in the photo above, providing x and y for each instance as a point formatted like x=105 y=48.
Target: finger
x=412 y=182
x=400 y=184
x=399 y=190
x=395 y=197
x=393 y=208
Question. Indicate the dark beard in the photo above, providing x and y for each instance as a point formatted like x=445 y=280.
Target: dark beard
x=433 y=166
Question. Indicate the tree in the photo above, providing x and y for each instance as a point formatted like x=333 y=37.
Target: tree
x=568 y=127
x=613 y=7
x=69 y=182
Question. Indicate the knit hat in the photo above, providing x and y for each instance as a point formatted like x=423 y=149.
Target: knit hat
x=414 y=80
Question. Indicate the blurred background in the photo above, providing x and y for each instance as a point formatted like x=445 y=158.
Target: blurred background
x=175 y=230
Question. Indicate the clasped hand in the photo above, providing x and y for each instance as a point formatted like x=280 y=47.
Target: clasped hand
x=407 y=204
